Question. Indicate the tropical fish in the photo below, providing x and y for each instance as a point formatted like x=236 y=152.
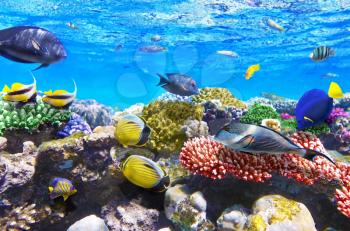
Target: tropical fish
x=28 y=44
x=145 y=173
x=330 y=75
x=131 y=130
x=314 y=106
x=274 y=25
x=251 y=70
x=261 y=140
x=178 y=84
x=60 y=98
x=72 y=26
x=156 y=38
x=227 y=53
x=20 y=92
x=152 y=49
x=321 y=53
x=61 y=187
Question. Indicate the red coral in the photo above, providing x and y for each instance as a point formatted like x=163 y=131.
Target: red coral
x=211 y=159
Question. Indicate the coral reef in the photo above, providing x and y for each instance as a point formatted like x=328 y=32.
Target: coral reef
x=94 y=113
x=135 y=109
x=91 y=223
x=335 y=114
x=208 y=158
x=257 y=112
x=344 y=102
x=272 y=123
x=233 y=218
x=222 y=94
x=286 y=116
x=195 y=128
x=74 y=125
x=285 y=106
x=166 y=120
x=172 y=97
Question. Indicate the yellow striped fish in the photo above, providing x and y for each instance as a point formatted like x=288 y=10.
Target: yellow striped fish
x=321 y=53
x=131 y=130
x=60 y=98
x=20 y=92
x=145 y=173
x=61 y=187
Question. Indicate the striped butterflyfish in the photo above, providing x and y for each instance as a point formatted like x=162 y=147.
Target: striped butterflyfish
x=60 y=98
x=321 y=53
x=61 y=187
x=145 y=173
x=20 y=92
x=131 y=130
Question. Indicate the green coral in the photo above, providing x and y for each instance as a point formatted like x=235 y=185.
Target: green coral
x=29 y=116
x=291 y=126
x=257 y=223
x=257 y=112
x=285 y=209
x=166 y=118
x=221 y=94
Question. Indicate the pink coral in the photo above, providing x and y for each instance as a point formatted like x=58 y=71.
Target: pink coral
x=211 y=159
x=286 y=116
x=335 y=114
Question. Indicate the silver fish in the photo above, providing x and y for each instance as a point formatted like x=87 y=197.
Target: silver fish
x=321 y=53
x=261 y=140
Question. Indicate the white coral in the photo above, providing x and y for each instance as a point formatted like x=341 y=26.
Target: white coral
x=135 y=109
x=195 y=128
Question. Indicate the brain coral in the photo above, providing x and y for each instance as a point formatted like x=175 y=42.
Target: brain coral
x=222 y=94
x=257 y=112
x=166 y=119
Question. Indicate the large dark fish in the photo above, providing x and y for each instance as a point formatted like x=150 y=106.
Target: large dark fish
x=28 y=44
x=261 y=140
x=178 y=84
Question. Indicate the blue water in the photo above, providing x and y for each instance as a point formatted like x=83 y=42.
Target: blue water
x=192 y=31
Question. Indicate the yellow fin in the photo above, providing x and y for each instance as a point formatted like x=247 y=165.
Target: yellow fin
x=6 y=89
x=335 y=91
x=50 y=189
x=60 y=92
x=49 y=92
x=307 y=118
x=17 y=86
x=65 y=197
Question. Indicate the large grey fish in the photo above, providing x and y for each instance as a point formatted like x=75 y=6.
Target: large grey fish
x=261 y=140
x=28 y=44
x=178 y=84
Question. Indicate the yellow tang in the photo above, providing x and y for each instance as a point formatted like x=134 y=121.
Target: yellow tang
x=145 y=173
x=131 y=130
x=251 y=70
x=20 y=92
x=335 y=91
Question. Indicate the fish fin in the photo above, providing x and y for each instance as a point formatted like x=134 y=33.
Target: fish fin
x=6 y=89
x=50 y=189
x=307 y=118
x=65 y=197
x=216 y=125
x=49 y=92
x=163 y=81
x=162 y=185
x=257 y=67
x=41 y=66
x=17 y=86
x=74 y=191
x=283 y=136
x=311 y=154
x=246 y=141
x=144 y=136
x=335 y=91
x=59 y=92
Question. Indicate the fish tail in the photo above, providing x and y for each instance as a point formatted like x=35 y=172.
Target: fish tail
x=311 y=154
x=335 y=91
x=163 y=81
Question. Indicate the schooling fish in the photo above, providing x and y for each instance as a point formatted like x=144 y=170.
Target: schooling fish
x=61 y=187
x=60 y=98
x=251 y=70
x=321 y=53
x=145 y=173
x=131 y=130
x=178 y=84
x=28 y=44
x=20 y=92
x=314 y=106
x=274 y=25
x=261 y=140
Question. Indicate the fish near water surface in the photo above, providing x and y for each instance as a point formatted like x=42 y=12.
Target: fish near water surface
x=60 y=98
x=20 y=92
x=261 y=140
x=178 y=84
x=29 y=44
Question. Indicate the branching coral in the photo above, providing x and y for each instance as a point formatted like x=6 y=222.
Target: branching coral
x=166 y=119
x=29 y=116
x=74 y=125
x=208 y=158
x=257 y=112
x=222 y=94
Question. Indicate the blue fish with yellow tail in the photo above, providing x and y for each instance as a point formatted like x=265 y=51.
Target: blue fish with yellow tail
x=60 y=98
x=314 y=106
x=61 y=187
x=20 y=92
x=145 y=173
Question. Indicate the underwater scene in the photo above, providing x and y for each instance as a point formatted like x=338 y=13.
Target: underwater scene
x=193 y=115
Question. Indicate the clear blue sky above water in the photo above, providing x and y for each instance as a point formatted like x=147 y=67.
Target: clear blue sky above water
x=192 y=31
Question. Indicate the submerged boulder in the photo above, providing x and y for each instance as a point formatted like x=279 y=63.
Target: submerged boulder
x=91 y=223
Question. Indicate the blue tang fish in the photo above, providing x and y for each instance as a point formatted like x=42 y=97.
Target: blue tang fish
x=178 y=84
x=28 y=44
x=314 y=106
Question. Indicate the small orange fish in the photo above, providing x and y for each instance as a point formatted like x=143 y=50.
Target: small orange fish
x=251 y=70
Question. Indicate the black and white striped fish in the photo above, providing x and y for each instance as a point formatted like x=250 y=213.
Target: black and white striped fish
x=321 y=53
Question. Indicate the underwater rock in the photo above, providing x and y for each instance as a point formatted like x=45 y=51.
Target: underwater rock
x=280 y=214
x=185 y=209
x=94 y=113
x=74 y=125
x=233 y=218
x=127 y=215
x=3 y=143
x=135 y=109
x=195 y=128
x=91 y=223
x=19 y=168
